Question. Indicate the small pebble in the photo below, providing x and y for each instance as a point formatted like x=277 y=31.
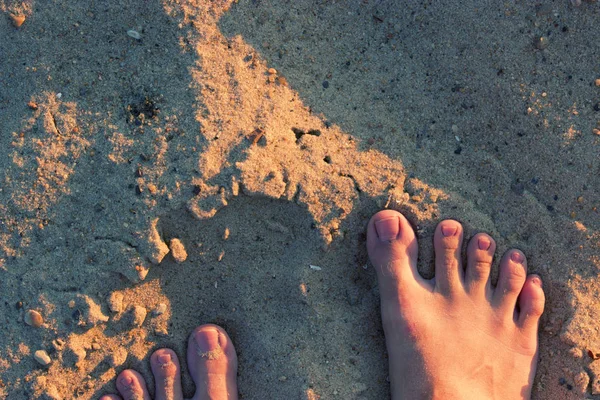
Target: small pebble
x=58 y=344
x=17 y=20
x=454 y=128
x=177 y=250
x=134 y=34
x=226 y=234
x=597 y=107
x=115 y=302
x=541 y=42
x=19 y=305
x=138 y=316
x=160 y=309
x=272 y=71
x=325 y=84
x=596 y=131
x=42 y=357
x=33 y=105
x=33 y=318
x=282 y=378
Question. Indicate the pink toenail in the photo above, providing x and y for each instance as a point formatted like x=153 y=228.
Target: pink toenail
x=164 y=358
x=516 y=257
x=208 y=344
x=483 y=243
x=388 y=228
x=448 y=230
x=537 y=281
x=127 y=380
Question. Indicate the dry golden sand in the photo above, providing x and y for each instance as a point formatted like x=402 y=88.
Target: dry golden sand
x=256 y=138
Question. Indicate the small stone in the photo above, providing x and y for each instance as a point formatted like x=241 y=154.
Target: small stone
x=597 y=107
x=118 y=357
x=177 y=250
x=580 y=199
x=282 y=378
x=272 y=71
x=58 y=344
x=17 y=20
x=33 y=105
x=596 y=131
x=455 y=128
x=42 y=357
x=138 y=315
x=33 y=318
x=541 y=42
x=160 y=309
x=19 y=305
x=134 y=34
x=325 y=84
x=226 y=234
x=115 y=302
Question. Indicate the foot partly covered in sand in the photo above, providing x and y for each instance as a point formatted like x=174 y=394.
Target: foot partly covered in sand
x=212 y=362
x=452 y=337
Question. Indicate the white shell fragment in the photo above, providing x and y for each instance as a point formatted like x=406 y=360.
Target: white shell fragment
x=134 y=34
x=42 y=357
x=315 y=267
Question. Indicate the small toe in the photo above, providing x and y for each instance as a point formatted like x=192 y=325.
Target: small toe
x=480 y=253
x=131 y=386
x=212 y=362
x=167 y=375
x=110 y=397
x=447 y=242
x=531 y=305
x=513 y=271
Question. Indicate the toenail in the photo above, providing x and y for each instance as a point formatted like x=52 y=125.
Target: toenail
x=448 y=230
x=484 y=243
x=208 y=344
x=127 y=380
x=164 y=359
x=516 y=257
x=537 y=280
x=388 y=228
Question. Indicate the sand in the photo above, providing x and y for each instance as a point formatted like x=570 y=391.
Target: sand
x=152 y=184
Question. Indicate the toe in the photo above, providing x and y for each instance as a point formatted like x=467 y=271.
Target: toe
x=110 y=397
x=447 y=242
x=393 y=251
x=212 y=362
x=513 y=271
x=480 y=254
x=531 y=306
x=132 y=386
x=167 y=375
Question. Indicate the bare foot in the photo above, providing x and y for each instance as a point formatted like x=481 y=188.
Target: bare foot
x=454 y=336
x=212 y=363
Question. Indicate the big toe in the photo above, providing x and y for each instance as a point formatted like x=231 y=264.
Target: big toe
x=393 y=251
x=212 y=362
x=167 y=375
x=131 y=386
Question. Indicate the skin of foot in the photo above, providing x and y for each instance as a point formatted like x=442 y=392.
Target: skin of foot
x=454 y=336
x=212 y=362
